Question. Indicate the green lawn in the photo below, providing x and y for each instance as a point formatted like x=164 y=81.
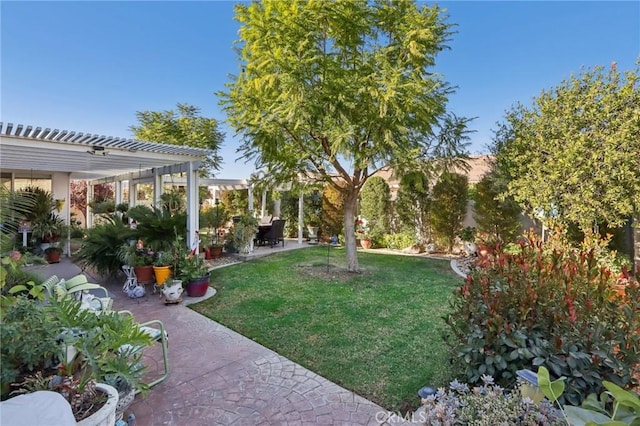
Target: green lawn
x=377 y=333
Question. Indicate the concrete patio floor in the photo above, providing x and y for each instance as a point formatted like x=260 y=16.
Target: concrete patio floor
x=219 y=377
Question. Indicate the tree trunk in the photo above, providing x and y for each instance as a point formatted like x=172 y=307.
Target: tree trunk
x=350 y=231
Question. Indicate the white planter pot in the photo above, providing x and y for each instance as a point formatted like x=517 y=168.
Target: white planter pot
x=470 y=248
x=105 y=416
x=313 y=233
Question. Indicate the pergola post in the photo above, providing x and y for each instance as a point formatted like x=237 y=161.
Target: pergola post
x=89 y=211
x=300 y=217
x=193 y=210
x=250 y=196
x=117 y=188
x=157 y=188
x=132 y=193
x=264 y=203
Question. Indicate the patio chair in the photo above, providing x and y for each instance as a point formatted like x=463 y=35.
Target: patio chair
x=156 y=330
x=275 y=234
x=78 y=288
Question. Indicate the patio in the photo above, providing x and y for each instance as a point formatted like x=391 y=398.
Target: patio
x=218 y=376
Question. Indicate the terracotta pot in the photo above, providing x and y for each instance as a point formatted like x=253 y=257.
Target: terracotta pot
x=216 y=251
x=53 y=256
x=484 y=250
x=365 y=243
x=207 y=253
x=198 y=287
x=144 y=274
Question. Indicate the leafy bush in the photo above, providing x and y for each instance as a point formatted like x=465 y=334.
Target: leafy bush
x=546 y=305
x=397 y=241
x=28 y=340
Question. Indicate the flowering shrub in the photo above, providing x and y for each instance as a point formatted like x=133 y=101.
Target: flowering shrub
x=556 y=308
x=487 y=239
x=487 y=404
x=362 y=228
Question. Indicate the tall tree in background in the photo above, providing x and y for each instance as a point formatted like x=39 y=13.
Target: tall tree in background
x=449 y=206
x=499 y=217
x=184 y=127
x=336 y=90
x=375 y=202
x=413 y=205
x=574 y=153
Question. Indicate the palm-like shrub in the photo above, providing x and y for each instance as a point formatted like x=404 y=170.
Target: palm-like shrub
x=100 y=248
x=158 y=228
x=547 y=304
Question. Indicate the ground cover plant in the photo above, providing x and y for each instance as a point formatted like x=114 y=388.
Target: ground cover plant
x=377 y=333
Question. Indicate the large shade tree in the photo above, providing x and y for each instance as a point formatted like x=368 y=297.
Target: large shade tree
x=573 y=155
x=185 y=126
x=336 y=90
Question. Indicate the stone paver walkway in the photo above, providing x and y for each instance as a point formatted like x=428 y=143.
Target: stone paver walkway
x=219 y=377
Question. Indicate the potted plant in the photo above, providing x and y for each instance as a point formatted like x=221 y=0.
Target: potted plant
x=244 y=232
x=468 y=235
x=162 y=266
x=172 y=290
x=313 y=224
x=362 y=232
x=52 y=254
x=194 y=274
x=214 y=218
x=140 y=258
x=49 y=229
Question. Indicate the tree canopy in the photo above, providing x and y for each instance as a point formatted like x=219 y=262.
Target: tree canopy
x=574 y=154
x=184 y=127
x=336 y=90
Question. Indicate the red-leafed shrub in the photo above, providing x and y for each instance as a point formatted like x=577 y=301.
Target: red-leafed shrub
x=547 y=304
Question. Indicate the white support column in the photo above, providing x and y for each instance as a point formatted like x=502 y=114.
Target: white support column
x=250 y=190
x=89 y=211
x=264 y=203
x=276 y=206
x=157 y=188
x=193 y=207
x=214 y=192
x=117 y=186
x=133 y=193
x=300 y=217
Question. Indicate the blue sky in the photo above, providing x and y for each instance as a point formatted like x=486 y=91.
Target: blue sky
x=89 y=66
